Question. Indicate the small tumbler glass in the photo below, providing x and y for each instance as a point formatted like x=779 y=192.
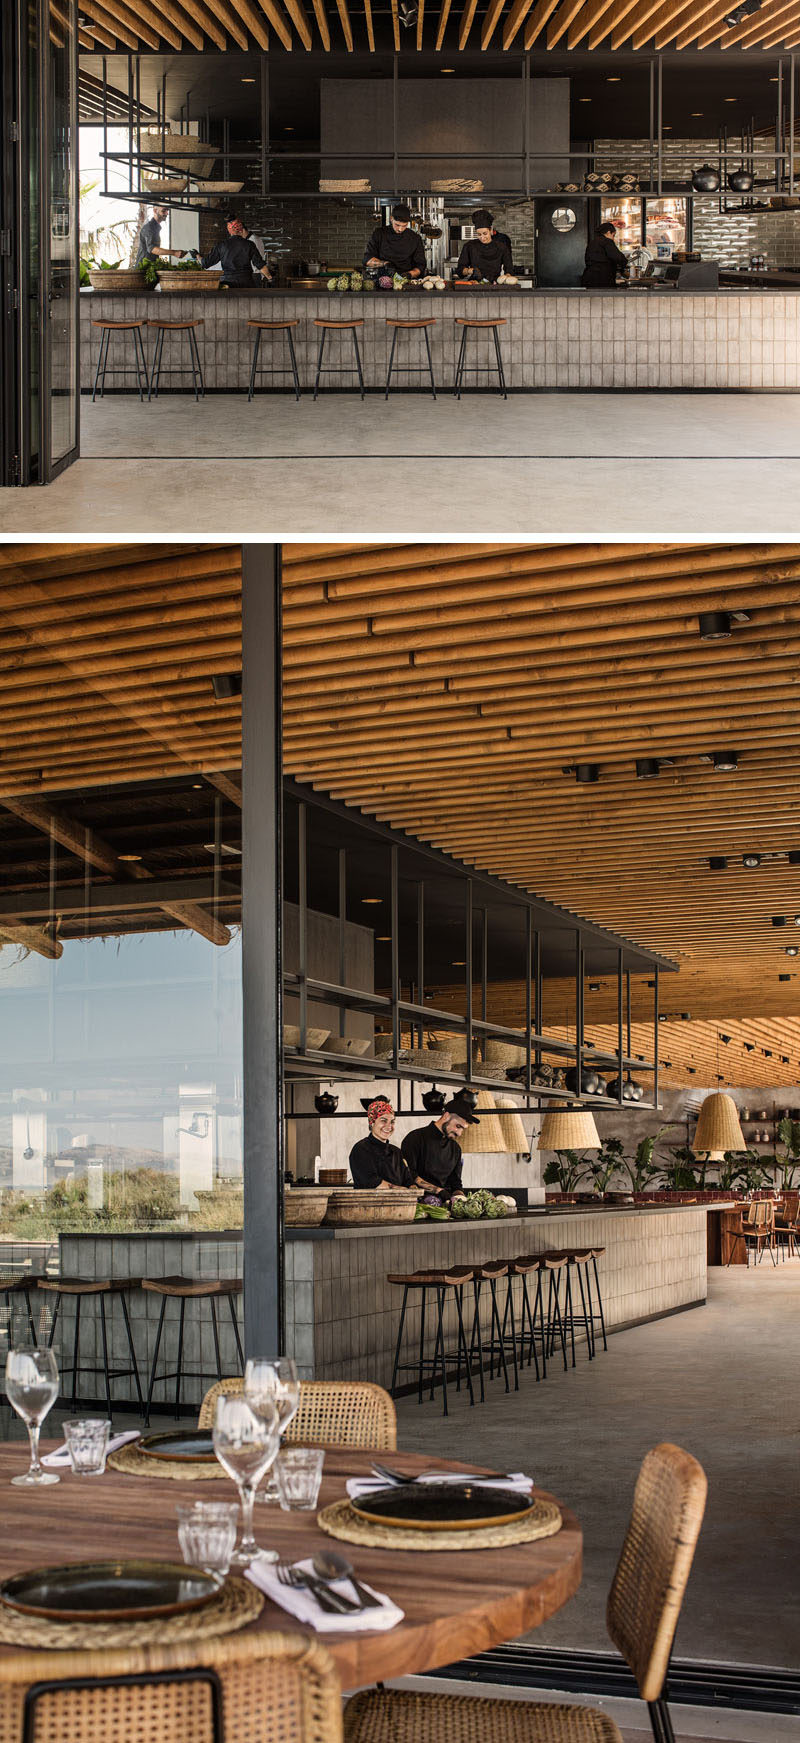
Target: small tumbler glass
x=299 y=1473
x=87 y=1444
x=207 y=1534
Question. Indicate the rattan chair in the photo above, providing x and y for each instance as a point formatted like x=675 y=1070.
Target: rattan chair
x=331 y=1413
x=277 y=1688
x=642 y=1614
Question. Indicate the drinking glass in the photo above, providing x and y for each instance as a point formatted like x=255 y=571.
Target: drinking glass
x=246 y=1445
x=87 y=1445
x=207 y=1534
x=32 y=1389
x=276 y=1384
x=299 y=1474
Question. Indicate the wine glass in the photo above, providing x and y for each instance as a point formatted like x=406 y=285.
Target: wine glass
x=32 y=1389
x=276 y=1384
x=246 y=1445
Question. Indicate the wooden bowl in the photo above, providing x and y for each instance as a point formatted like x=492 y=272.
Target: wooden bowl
x=353 y=1206
x=189 y=281
x=121 y=279
x=354 y=1045
x=304 y=1206
x=329 y=1177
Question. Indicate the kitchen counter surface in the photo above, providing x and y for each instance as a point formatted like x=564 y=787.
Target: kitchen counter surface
x=551 y=338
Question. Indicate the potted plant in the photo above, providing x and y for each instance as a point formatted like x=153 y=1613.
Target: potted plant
x=110 y=275
x=686 y=1172
x=565 y=1169
x=787 y=1166
x=605 y=1165
x=641 y=1169
x=186 y=275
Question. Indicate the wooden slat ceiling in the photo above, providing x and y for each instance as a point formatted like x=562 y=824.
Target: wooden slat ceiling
x=183 y=25
x=445 y=690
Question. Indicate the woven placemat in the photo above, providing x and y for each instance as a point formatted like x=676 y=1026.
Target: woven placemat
x=238 y=1603
x=339 y=1520
x=138 y=1464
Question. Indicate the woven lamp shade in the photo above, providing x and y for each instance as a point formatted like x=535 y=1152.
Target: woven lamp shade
x=718 y=1127
x=569 y=1129
x=487 y=1138
x=515 y=1141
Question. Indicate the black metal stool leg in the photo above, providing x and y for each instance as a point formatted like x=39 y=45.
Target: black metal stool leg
x=75 y=1351
x=430 y=360
x=179 y=1368
x=196 y=365
x=500 y=371
x=440 y=1294
x=239 y=1350
x=153 y=1365
x=460 y=363
x=54 y=1321
x=391 y=364
x=104 y=1331
x=458 y=1294
x=134 y=1364
x=538 y=1311
x=510 y=1305
x=358 y=367
x=554 y=1318
x=399 y=1340
x=254 y=365
x=141 y=364
x=496 y=1326
x=31 y=1321
x=213 y=1306
x=475 y=1335
x=599 y=1302
x=155 y=370
x=568 y=1309
x=319 y=360
x=587 y=1324
x=421 y=1367
x=100 y=372
x=293 y=360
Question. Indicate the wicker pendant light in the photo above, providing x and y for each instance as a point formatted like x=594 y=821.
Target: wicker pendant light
x=515 y=1142
x=718 y=1126
x=569 y=1129
x=487 y=1137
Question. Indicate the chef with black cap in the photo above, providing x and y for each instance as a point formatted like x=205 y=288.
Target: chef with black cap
x=433 y=1152
x=374 y=1161
x=395 y=246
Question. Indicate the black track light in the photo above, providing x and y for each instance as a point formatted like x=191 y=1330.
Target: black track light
x=726 y=762
x=587 y=773
x=749 y=1046
x=226 y=685
x=686 y=1016
x=647 y=768
x=784 y=977
x=767 y=1052
x=715 y=626
x=779 y=919
x=751 y=860
x=794 y=856
x=594 y=986
x=725 y=1038
x=717 y=862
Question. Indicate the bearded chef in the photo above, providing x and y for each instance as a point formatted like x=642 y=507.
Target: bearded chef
x=433 y=1152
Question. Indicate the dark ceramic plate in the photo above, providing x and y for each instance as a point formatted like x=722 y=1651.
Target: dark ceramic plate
x=443 y=1506
x=194 y=1445
x=120 y=1591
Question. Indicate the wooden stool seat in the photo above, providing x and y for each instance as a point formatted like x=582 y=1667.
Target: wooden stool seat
x=412 y=324
x=273 y=326
x=453 y=1275
x=342 y=324
x=429 y=322
x=11 y=1281
x=492 y=1268
x=118 y=326
x=184 y=1287
x=87 y=1285
x=139 y=370
x=469 y=321
x=175 y=326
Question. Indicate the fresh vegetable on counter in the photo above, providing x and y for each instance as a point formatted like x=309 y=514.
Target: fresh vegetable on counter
x=437 y=1213
x=480 y=1204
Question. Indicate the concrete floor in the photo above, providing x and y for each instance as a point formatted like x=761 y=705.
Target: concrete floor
x=540 y=465
x=720 y=1380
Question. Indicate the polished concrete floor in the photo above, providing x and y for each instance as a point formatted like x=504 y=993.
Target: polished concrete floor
x=541 y=465
x=721 y=1381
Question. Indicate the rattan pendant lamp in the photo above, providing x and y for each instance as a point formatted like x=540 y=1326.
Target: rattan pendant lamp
x=486 y=1138
x=569 y=1129
x=718 y=1127
x=515 y=1141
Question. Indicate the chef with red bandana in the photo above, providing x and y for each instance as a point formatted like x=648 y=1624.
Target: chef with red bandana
x=375 y=1161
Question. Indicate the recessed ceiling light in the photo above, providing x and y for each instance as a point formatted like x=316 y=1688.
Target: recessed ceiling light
x=594 y=986
x=784 y=977
x=697 y=114
x=383 y=938
x=459 y=964
x=248 y=81
x=129 y=858
x=797 y=919
x=584 y=99
x=751 y=860
x=725 y=761
x=715 y=626
x=792 y=949
x=614 y=79
x=288 y=130
x=730 y=99
x=371 y=901
x=447 y=69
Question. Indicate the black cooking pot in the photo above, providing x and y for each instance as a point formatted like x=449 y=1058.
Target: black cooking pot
x=326 y=1103
x=740 y=181
x=585 y=1084
x=433 y=1101
x=705 y=179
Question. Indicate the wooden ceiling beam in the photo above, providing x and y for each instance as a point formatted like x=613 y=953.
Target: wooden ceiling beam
x=772 y=13
x=609 y=21
x=344 y=20
x=467 y=16
x=179 y=15
x=589 y=15
x=542 y=12
x=444 y=14
x=124 y=24
x=558 y=26
x=322 y=22
x=698 y=17
x=491 y=21
x=516 y=18
x=300 y=20
x=31 y=938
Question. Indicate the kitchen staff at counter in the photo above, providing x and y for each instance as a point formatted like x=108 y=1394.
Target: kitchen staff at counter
x=238 y=256
x=603 y=260
x=395 y=246
x=433 y=1152
x=148 y=241
x=487 y=254
x=374 y=1161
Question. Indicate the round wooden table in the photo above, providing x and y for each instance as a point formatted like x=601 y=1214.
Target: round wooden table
x=455 y=1603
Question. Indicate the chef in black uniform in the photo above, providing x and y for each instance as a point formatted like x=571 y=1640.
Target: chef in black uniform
x=238 y=257
x=374 y=1161
x=433 y=1152
x=603 y=260
x=487 y=254
x=395 y=246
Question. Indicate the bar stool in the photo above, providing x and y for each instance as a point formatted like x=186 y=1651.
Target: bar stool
x=411 y=368
x=440 y=1281
x=327 y=327
x=183 y=1289
x=468 y=326
x=195 y=367
x=492 y=1272
x=525 y=1266
x=19 y=1283
x=284 y=327
x=546 y=1325
x=79 y=1288
x=140 y=361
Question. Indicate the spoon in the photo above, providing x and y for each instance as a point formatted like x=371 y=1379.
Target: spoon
x=330 y=1566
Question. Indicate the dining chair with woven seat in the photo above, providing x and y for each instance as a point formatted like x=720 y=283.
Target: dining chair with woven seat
x=279 y=1688
x=644 y=1605
x=354 y=1413
x=787 y=1221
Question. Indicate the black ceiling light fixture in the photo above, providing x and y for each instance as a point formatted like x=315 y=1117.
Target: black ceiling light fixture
x=749 y=1046
x=225 y=685
x=725 y=762
x=717 y=626
x=726 y=1039
x=779 y=919
x=738 y=14
x=408 y=14
x=792 y=950
x=647 y=768
x=586 y=774
x=751 y=860
x=718 y=862
x=784 y=977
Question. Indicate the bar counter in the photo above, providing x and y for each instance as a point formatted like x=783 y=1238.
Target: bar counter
x=553 y=339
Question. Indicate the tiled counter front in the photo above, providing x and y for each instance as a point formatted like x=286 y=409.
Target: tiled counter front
x=343 y=1315
x=552 y=339
x=188 y=1254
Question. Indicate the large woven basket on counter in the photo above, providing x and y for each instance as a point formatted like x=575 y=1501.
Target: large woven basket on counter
x=120 y=278
x=350 y=1206
x=304 y=1206
x=189 y=281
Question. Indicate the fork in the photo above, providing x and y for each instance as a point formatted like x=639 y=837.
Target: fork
x=334 y=1602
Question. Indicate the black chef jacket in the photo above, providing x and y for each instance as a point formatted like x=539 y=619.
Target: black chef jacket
x=372 y=1161
x=487 y=258
x=603 y=261
x=432 y=1156
x=403 y=250
x=237 y=255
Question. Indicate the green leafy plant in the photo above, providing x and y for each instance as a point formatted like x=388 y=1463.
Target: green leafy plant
x=641 y=1168
x=743 y=1169
x=565 y=1169
x=788 y=1166
x=606 y=1164
x=685 y=1172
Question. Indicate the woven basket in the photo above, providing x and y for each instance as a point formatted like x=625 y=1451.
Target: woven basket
x=426 y=1058
x=189 y=281
x=315 y=1038
x=121 y=279
x=304 y=1206
x=170 y=187
x=179 y=150
x=382 y=1205
x=354 y=1045
x=503 y=1052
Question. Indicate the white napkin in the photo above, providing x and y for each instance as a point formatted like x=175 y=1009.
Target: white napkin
x=301 y=1603
x=515 y=1480
x=61 y=1456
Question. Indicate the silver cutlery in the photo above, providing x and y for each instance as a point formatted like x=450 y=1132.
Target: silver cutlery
x=331 y=1566
x=397 y=1477
x=334 y=1602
